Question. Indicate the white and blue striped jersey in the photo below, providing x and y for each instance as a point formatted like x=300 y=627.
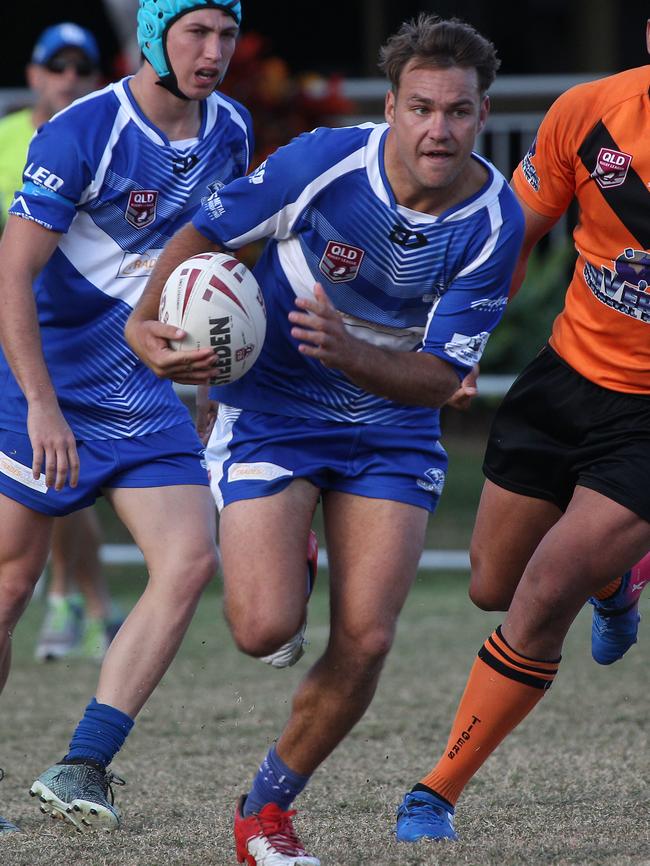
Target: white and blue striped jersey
x=103 y=175
x=401 y=279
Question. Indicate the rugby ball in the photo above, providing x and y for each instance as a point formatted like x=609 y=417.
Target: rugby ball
x=217 y=301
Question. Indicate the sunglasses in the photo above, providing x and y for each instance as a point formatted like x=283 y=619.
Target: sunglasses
x=58 y=65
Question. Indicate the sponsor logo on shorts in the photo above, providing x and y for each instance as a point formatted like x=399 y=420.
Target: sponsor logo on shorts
x=22 y=474
x=433 y=481
x=467 y=350
x=611 y=167
x=341 y=262
x=141 y=207
x=257 y=472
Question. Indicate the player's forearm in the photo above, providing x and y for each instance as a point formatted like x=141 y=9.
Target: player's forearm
x=412 y=378
x=186 y=243
x=21 y=342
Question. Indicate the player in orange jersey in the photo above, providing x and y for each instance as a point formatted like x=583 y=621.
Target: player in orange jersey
x=567 y=500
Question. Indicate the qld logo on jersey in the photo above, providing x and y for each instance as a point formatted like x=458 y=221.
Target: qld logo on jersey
x=141 y=207
x=341 y=262
x=611 y=168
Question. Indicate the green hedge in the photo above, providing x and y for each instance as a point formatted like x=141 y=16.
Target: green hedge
x=527 y=322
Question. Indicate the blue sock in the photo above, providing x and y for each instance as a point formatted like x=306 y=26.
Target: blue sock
x=100 y=734
x=274 y=783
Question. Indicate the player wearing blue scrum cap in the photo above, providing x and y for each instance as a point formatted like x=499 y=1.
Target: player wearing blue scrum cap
x=107 y=183
x=155 y=17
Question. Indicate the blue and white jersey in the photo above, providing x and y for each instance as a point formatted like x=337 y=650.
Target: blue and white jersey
x=403 y=280
x=117 y=189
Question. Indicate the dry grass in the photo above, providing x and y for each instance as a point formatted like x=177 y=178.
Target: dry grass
x=569 y=787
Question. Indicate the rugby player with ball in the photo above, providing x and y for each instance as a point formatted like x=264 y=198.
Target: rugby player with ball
x=390 y=252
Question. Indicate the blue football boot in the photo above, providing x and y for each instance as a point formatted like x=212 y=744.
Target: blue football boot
x=616 y=620
x=424 y=815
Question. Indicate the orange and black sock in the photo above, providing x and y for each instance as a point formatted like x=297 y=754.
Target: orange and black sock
x=503 y=687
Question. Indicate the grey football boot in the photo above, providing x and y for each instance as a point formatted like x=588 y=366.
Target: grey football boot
x=79 y=793
x=6 y=827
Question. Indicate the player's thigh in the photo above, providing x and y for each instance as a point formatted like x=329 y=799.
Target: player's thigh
x=174 y=526
x=374 y=547
x=507 y=530
x=25 y=541
x=595 y=539
x=263 y=543
x=75 y=533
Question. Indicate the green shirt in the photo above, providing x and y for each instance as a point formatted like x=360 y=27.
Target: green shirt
x=16 y=131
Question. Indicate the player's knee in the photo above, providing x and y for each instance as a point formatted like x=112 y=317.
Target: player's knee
x=486 y=590
x=258 y=628
x=487 y=597
x=369 y=644
x=259 y=638
x=201 y=569
x=16 y=590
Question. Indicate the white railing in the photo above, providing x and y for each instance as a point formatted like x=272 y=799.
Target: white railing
x=433 y=560
x=545 y=87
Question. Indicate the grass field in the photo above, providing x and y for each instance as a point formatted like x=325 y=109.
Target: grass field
x=569 y=787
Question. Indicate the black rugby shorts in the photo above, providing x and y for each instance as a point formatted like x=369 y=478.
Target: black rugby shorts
x=555 y=430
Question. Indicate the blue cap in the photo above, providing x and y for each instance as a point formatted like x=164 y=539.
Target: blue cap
x=65 y=35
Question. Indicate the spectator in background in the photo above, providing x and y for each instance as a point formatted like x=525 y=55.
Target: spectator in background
x=80 y=616
x=64 y=66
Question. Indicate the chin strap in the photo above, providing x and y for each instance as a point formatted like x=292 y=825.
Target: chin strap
x=170 y=83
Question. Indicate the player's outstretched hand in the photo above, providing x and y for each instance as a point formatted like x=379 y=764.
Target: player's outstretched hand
x=149 y=340
x=53 y=444
x=462 y=398
x=319 y=328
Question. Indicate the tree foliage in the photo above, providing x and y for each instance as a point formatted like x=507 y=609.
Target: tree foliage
x=527 y=322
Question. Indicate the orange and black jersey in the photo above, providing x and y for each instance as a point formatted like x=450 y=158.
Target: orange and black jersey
x=593 y=145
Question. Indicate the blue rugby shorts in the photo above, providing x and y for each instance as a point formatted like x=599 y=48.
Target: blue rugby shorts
x=254 y=454
x=165 y=458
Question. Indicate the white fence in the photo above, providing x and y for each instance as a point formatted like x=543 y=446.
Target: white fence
x=432 y=560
